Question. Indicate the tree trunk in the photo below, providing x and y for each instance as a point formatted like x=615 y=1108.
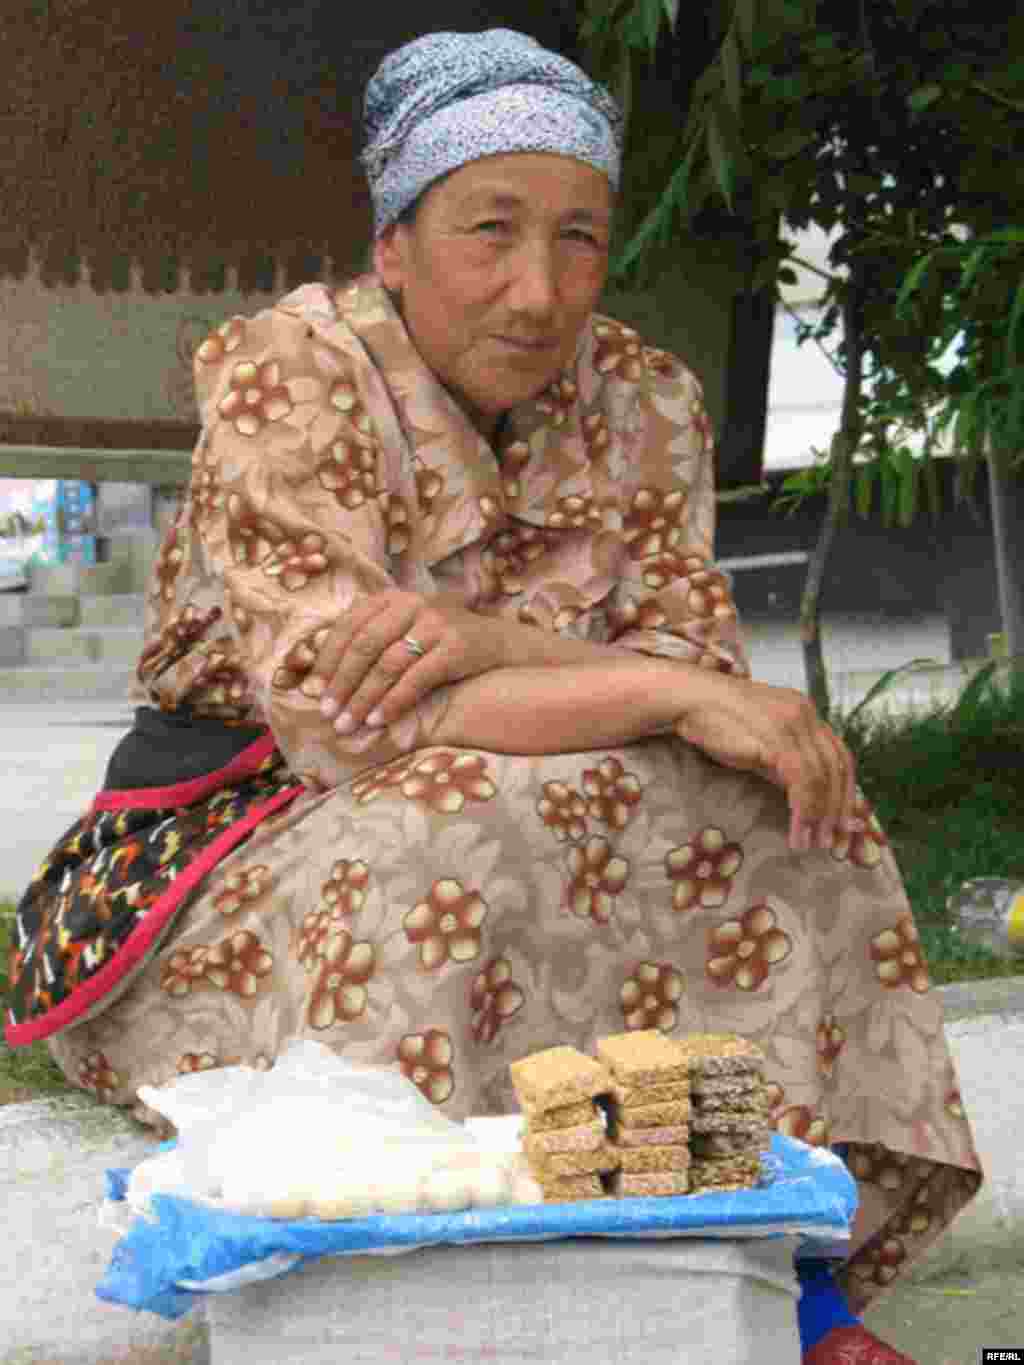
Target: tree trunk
x=1006 y=497
x=843 y=448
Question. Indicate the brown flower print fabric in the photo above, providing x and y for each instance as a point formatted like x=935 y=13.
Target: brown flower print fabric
x=446 y=911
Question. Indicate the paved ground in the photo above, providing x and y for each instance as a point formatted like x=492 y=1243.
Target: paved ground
x=967 y=1293
x=54 y=760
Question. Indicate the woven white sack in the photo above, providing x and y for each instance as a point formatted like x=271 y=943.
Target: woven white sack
x=578 y=1302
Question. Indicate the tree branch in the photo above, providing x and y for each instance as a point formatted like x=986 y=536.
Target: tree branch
x=844 y=446
x=806 y=265
x=997 y=98
x=817 y=341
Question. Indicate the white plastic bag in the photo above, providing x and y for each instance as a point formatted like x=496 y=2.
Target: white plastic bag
x=319 y=1136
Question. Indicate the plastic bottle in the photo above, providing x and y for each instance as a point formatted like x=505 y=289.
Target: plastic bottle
x=989 y=911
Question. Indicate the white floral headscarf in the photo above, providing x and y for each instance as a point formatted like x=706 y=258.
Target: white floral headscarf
x=450 y=98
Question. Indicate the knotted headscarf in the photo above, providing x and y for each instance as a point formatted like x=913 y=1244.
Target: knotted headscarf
x=450 y=98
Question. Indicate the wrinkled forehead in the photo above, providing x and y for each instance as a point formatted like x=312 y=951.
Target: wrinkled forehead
x=533 y=184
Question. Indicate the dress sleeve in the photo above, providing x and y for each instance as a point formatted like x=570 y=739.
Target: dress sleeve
x=299 y=510
x=670 y=599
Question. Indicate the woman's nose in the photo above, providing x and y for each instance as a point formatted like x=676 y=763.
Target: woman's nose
x=534 y=288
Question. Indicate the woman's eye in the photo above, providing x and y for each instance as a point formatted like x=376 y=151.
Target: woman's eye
x=492 y=225
x=581 y=236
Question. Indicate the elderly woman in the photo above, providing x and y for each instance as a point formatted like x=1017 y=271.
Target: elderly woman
x=452 y=751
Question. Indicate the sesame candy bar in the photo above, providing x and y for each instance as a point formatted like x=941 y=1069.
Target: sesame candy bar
x=571 y=1188
x=651 y=1115
x=708 y=1146
x=724 y=1186
x=644 y=1160
x=557 y=1076
x=733 y=1124
x=643 y=1057
x=626 y=1185
x=564 y=1116
x=671 y=1136
x=738 y=1172
x=707 y=1087
x=627 y=1095
x=584 y=1137
x=547 y=1164
x=721 y=1054
x=754 y=1104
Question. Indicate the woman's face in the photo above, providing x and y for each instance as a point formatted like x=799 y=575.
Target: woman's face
x=505 y=260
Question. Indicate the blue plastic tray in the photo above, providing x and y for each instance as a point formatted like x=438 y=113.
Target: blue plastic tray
x=187 y=1248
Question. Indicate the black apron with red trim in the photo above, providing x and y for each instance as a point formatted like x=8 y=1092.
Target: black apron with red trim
x=180 y=793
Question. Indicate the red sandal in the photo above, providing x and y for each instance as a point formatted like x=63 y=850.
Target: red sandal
x=854 y=1346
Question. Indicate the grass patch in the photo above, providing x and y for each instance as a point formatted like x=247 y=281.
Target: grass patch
x=25 y=1072
x=947 y=785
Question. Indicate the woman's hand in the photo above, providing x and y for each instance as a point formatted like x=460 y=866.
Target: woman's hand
x=777 y=733
x=371 y=676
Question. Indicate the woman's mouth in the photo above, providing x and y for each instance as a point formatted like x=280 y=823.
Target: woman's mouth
x=534 y=346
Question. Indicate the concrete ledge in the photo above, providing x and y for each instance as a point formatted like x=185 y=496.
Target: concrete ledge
x=116 y=576
x=969 y=999
x=118 y=609
x=12 y=646
x=54 y=580
x=93 y=682
x=39 y=611
x=114 y=645
x=53 y=1157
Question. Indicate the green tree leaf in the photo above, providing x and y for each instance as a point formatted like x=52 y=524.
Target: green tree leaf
x=913 y=280
x=863 y=484
x=732 y=71
x=789 y=143
x=930 y=475
x=908 y=472
x=863 y=184
x=656 y=226
x=924 y=96
x=746 y=19
x=722 y=165
x=1012 y=350
x=622 y=84
x=652 y=26
x=889 y=482
x=975 y=261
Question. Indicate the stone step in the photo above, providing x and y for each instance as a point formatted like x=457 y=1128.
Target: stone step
x=19 y=609
x=121 y=609
x=116 y=644
x=121 y=575
x=37 y=610
x=86 y=682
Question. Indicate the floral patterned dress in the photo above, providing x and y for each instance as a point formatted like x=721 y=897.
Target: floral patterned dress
x=247 y=876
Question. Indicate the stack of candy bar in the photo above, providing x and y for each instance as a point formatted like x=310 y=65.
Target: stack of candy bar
x=729 y=1126
x=648 y=1105
x=565 y=1140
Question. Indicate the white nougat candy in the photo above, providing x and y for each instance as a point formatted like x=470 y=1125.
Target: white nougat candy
x=320 y=1137
x=446 y=1191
